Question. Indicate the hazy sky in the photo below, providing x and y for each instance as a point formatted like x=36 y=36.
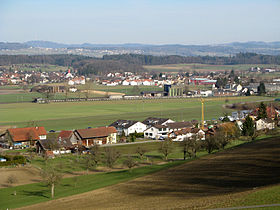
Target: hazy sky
x=140 y=21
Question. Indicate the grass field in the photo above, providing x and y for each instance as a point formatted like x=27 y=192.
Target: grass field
x=203 y=67
x=227 y=178
x=75 y=115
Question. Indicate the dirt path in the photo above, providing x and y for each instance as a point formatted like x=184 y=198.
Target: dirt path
x=195 y=185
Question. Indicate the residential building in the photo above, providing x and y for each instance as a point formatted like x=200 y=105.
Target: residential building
x=127 y=127
x=91 y=136
x=25 y=137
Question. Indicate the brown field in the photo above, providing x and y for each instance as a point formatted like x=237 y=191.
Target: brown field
x=24 y=175
x=201 y=184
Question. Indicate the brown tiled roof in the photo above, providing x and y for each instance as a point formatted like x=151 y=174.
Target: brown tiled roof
x=176 y=125
x=183 y=131
x=65 y=134
x=96 y=132
x=26 y=134
x=159 y=126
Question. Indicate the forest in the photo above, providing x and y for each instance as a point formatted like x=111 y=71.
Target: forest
x=132 y=62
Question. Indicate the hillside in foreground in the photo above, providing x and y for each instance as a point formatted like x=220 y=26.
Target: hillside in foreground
x=217 y=179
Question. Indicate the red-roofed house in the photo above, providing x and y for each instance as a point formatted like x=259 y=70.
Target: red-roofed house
x=91 y=136
x=25 y=137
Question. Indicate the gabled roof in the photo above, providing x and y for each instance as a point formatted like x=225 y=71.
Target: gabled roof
x=177 y=125
x=65 y=134
x=183 y=131
x=123 y=123
x=154 y=121
x=27 y=134
x=96 y=132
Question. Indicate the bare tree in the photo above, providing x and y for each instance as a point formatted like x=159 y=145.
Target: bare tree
x=89 y=162
x=141 y=151
x=51 y=176
x=190 y=147
x=111 y=156
x=211 y=143
x=129 y=162
x=12 y=180
x=95 y=153
x=166 y=148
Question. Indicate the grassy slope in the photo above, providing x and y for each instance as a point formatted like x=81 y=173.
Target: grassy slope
x=35 y=193
x=38 y=192
x=84 y=114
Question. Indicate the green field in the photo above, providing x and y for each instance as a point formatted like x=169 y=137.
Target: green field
x=39 y=192
x=73 y=115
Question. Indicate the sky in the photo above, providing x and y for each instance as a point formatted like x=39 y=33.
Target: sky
x=140 y=21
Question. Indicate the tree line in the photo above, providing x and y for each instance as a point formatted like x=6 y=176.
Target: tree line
x=132 y=62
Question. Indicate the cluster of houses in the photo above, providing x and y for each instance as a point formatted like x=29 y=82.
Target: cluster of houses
x=20 y=77
x=151 y=128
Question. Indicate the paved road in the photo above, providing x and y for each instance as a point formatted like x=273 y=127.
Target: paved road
x=248 y=207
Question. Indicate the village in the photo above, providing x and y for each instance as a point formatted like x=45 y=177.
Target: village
x=181 y=84
x=262 y=118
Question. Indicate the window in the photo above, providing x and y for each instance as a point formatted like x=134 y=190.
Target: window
x=151 y=134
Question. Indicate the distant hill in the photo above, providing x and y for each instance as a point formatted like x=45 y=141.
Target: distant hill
x=98 y=50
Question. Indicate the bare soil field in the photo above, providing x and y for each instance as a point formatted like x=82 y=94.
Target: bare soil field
x=23 y=175
x=199 y=184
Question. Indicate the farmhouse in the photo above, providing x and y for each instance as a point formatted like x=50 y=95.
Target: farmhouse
x=129 y=126
x=25 y=137
x=91 y=136
x=54 y=146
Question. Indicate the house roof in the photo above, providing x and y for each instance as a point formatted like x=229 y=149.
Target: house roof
x=65 y=134
x=176 y=125
x=96 y=132
x=183 y=131
x=53 y=144
x=26 y=134
x=154 y=121
x=123 y=123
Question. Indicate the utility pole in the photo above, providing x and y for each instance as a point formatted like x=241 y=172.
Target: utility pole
x=202 y=113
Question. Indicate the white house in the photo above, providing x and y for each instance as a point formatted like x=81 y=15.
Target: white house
x=129 y=126
x=262 y=124
x=156 y=132
x=125 y=82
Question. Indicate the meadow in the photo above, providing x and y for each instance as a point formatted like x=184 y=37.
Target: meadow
x=74 y=115
x=230 y=177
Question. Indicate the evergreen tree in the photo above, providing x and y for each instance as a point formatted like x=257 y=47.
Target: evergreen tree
x=248 y=128
x=261 y=89
x=262 y=111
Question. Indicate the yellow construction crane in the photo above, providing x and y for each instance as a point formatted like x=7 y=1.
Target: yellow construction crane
x=202 y=113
